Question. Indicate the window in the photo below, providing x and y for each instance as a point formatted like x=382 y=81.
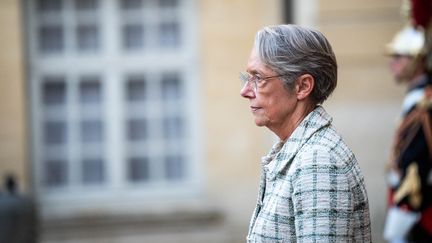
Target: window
x=152 y=25
x=54 y=91
x=112 y=89
x=169 y=34
x=87 y=37
x=55 y=173
x=51 y=38
x=133 y=36
x=55 y=132
x=131 y=4
x=136 y=89
x=138 y=169
x=49 y=5
x=86 y=5
x=93 y=171
x=137 y=129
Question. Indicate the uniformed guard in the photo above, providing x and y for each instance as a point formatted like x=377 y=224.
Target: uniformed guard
x=409 y=174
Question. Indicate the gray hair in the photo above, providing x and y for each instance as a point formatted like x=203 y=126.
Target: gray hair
x=293 y=50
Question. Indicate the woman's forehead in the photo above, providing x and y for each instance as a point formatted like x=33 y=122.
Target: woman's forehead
x=255 y=65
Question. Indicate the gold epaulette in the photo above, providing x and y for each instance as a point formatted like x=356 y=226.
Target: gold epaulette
x=426 y=102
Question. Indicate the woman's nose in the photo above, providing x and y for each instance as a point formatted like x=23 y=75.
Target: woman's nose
x=246 y=91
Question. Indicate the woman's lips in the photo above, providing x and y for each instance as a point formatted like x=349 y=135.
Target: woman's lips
x=254 y=108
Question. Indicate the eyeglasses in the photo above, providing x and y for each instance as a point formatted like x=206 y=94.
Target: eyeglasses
x=247 y=78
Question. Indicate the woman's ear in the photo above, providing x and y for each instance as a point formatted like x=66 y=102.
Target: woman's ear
x=304 y=86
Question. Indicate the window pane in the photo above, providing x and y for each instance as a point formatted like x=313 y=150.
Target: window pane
x=168 y=3
x=55 y=132
x=136 y=89
x=90 y=90
x=169 y=34
x=139 y=169
x=131 y=4
x=51 y=39
x=171 y=89
x=54 y=91
x=49 y=5
x=174 y=167
x=137 y=129
x=93 y=171
x=87 y=37
x=173 y=128
x=133 y=36
x=86 y=5
x=55 y=173
x=91 y=131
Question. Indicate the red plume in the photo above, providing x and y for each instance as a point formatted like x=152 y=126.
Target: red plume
x=421 y=12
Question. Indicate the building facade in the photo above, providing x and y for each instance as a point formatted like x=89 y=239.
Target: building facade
x=123 y=120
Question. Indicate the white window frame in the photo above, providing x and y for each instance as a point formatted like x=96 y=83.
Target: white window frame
x=112 y=67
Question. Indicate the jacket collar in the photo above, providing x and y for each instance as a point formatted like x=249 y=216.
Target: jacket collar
x=281 y=155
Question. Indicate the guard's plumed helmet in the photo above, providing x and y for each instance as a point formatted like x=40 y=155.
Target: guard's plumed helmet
x=408 y=42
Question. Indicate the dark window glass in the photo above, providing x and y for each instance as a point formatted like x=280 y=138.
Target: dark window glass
x=131 y=4
x=168 y=3
x=136 y=89
x=87 y=37
x=55 y=132
x=169 y=34
x=90 y=90
x=93 y=171
x=91 y=131
x=86 y=5
x=137 y=129
x=51 y=39
x=174 y=167
x=133 y=36
x=139 y=169
x=171 y=88
x=55 y=173
x=54 y=91
x=49 y=5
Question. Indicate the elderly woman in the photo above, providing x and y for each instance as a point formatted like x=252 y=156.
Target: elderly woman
x=312 y=189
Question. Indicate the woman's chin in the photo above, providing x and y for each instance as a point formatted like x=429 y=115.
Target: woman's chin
x=260 y=122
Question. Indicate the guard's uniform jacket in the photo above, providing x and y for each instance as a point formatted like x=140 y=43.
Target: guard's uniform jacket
x=412 y=161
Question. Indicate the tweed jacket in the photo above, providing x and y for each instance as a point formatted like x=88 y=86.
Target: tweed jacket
x=311 y=189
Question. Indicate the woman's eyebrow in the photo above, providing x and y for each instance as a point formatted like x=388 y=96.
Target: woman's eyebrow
x=253 y=71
